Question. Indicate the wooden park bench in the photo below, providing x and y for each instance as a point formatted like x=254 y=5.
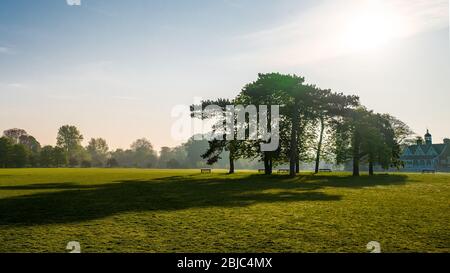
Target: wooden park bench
x=325 y=170
x=428 y=171
x=283 y=170
x=205 y=170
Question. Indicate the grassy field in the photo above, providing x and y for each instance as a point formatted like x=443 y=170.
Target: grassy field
x=129 y=210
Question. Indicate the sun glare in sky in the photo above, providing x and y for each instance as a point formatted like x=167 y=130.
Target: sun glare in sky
x=373 y=26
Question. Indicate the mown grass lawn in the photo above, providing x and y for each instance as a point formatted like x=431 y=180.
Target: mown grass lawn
x=129 y=210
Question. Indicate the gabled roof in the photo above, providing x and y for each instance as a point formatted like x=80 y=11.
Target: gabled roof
x=439 y=148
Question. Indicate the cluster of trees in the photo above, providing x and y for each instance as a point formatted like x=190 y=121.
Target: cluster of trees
x=18 y=149
x=315 y=125
x=189 y=155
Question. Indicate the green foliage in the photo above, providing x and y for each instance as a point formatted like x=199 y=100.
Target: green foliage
x=141 y=155
x=112 y=163
x=173 y=164
x=19 y=156
x=14 y=134
x=98 y=151
x=32 y=145
x=172 y=158
x=304 y=106
x=23 y=151
x=5 y=152
x=217 y=147
x=46 y=157
x=376 y=138
x=144 y=155
x=59 y=157
x=12 y=155
x=194 y=151
x=69 y=138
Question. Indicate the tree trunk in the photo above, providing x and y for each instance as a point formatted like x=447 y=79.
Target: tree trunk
x=267 y=164
x=355 y=166
x=294 y=145
x=370 y=167
x=319 y=146
x=356 y=155
x=297 y=165
x=270 y=165
x=231 y=164
x=293 y=154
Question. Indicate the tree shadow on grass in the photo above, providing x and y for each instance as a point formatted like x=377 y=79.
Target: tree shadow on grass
x=72 y=203
x=319 y=181
x=48 y=186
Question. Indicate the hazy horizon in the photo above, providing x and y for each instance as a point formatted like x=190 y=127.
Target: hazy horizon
x=115 y=69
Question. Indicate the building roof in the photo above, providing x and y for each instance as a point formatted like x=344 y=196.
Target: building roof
x=439 y=148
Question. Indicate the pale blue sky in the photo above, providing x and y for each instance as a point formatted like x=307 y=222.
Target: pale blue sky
x=116 y=68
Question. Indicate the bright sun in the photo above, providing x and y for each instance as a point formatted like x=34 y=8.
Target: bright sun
x=372 y=27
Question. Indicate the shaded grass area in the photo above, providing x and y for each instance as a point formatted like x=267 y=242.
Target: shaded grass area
x=129 y=210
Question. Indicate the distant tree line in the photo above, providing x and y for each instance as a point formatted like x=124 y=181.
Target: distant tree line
x=18 y=149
